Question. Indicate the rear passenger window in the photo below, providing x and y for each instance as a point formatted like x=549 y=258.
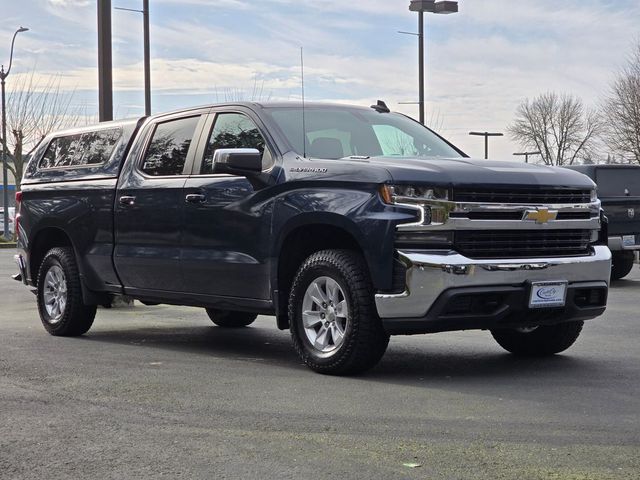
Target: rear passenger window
x=88 y=149
x=167 y=152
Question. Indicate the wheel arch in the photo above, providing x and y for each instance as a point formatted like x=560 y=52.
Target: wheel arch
x=43 y=241
x=51 y=237
x=303 y=236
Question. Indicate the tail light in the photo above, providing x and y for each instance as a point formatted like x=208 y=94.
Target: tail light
x=16 y=221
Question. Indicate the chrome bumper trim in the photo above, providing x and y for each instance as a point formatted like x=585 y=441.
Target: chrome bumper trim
x=429 y=273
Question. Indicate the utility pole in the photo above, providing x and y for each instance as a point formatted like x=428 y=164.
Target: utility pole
x=526 y=155
x=105 y=75
x=147 y=59
x=147 y=54
x=421 y=67
x=486 y=136
x=5 y=179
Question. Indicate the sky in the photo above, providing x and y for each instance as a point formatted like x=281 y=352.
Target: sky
x=481 y=62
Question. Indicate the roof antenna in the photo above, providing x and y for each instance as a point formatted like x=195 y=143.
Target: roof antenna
x=304 y=124
x=381 y=107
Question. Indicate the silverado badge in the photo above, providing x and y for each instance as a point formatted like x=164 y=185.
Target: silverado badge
x=307 y=170
x=541 y=215
x=631 y=212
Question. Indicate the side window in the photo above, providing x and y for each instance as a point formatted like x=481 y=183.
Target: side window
x=81 y=149
x=234 y=130
x=167 y=151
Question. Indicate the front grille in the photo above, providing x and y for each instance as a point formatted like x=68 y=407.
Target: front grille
x=522 y=243
x=525 y=196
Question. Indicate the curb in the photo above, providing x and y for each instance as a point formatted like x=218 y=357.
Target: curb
x=7 y=245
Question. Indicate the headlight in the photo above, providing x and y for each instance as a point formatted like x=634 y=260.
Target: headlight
x=398 y=194
x=424 y=199
x=594 y=195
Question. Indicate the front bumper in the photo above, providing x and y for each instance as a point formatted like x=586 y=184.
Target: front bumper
x=436 y=280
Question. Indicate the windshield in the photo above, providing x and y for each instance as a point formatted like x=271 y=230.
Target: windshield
x=335 y=132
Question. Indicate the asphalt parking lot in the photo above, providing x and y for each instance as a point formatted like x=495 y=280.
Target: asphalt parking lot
x=155 y=392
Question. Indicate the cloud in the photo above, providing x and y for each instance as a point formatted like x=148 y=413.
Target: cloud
x=69 y=3
x=480 y=63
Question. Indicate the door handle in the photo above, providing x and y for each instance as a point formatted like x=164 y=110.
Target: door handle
x=195 y=198
x=127 y=201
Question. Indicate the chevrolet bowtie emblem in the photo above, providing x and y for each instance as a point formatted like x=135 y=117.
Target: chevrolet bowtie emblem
x=541 y=215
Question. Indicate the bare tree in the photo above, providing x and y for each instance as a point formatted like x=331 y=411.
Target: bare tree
x=621 y=110
x=239 y=94
x=36 y=106
x=558 y=126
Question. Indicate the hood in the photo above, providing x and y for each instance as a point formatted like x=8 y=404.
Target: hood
x=485 y=173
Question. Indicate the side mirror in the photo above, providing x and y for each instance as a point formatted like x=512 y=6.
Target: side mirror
x=237 y=161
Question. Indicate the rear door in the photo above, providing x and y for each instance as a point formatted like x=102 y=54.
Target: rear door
x=619 y=191
x=148 y=210
x=225 y=246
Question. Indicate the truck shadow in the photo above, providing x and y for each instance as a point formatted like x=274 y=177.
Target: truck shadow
x=624 y=283
x=252 y=344
x=407 y=362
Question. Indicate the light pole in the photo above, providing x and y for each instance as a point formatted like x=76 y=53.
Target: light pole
x=147 y=61
x=5 y=180
x=526 y=155
x=428 y=6
x=486 y=136
x=105 y=62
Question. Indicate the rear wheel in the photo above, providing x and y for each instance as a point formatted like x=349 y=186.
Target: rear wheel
x=538 y=341
x=229 y=319
x=621 y=264
x=60 y=304
x=334 y=324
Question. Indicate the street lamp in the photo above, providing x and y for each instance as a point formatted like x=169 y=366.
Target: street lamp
x=5 y=182
x=486 y=136
x=147 y=61
x=526 y=155
x=428 y=6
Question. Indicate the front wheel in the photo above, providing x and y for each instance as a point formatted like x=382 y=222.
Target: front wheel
x=538 y=341
x=621 y=264
x=334 y=324
x=229 y=319
x=62 y=310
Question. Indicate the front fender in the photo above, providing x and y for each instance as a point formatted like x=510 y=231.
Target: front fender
x=358 y=212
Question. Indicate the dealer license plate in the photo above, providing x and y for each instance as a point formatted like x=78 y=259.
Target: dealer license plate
x=548 y=294
x=628 y=240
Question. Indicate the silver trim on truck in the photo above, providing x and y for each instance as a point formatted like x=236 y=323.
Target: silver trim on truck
x=449 y=215
x=430 y=273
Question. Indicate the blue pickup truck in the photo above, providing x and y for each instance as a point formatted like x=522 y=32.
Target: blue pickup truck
x=348 y=224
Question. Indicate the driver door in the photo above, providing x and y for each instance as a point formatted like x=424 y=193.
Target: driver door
x=225 y=244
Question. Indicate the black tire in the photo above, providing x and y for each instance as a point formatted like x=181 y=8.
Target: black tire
x=229 y=319
x=621 y=264
x=74 y=318
x=543 y=341
x=364 y=339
